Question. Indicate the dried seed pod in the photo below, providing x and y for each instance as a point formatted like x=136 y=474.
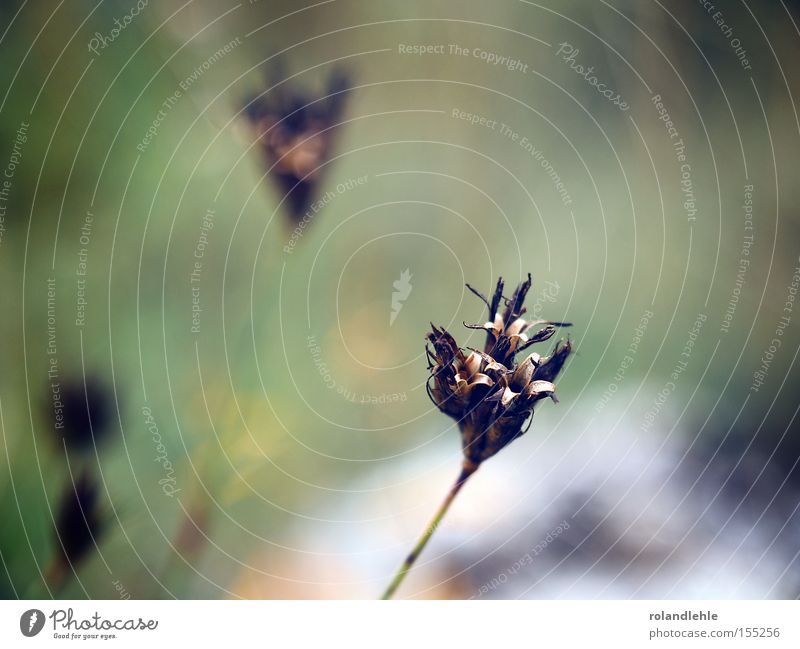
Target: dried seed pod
x=486 y=392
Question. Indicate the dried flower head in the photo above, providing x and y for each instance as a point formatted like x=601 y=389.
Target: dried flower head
x=296 y=136
x=487 y=392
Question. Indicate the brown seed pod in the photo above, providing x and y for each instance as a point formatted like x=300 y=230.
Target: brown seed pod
x=487 y=392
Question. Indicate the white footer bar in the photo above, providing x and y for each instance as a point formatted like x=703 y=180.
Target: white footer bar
x=353 y=624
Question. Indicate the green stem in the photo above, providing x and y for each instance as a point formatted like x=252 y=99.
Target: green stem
x=466 y=472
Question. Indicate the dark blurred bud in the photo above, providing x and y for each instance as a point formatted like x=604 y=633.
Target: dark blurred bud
x=487 y=392
x=296 y=136
x=82 y=413
x=79 y=524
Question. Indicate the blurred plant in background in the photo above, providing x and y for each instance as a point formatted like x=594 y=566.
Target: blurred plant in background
x=297 y=136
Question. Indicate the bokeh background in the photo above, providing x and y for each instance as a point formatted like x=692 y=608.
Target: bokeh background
x=279 y=443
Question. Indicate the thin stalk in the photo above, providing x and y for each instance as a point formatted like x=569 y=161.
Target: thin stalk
x=466 y=472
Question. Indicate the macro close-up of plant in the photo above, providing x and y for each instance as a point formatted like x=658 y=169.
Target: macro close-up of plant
x=488 y=393
x=377 y=301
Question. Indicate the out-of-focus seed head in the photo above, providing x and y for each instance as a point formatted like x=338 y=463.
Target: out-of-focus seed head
x=296 y=134
x=78 y=523
x=487 y=392
x=82 y=413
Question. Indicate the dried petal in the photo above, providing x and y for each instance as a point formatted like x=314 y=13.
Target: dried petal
x=551 y=366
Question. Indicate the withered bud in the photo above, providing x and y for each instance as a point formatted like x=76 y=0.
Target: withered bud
x=487 y=392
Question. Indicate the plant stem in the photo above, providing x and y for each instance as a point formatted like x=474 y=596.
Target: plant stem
x=466 y=472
